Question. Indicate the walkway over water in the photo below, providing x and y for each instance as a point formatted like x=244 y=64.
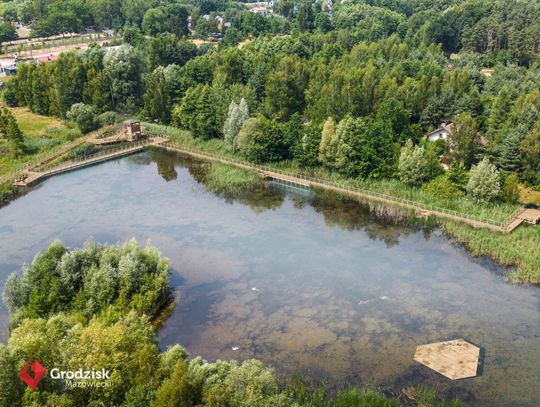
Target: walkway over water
x=40 y=171
x=29 y=178
x=533 y=216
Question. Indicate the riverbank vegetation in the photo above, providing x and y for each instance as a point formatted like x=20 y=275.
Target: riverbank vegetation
x=518 y=249
x=225 y=179
x=92 y=308
x=30 y=135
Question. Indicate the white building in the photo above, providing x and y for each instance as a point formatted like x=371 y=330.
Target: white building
x=441 y=133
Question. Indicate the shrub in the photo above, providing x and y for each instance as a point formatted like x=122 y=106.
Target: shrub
x=510 y=190
x=84 y=116
x=107 y=118
x=484 y=184
x=442 y=187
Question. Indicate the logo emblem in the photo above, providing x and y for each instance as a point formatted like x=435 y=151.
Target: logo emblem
x=39 y=372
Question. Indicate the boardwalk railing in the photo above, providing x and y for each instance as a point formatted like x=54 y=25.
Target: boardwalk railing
x=30 y=178
x=94 y=157
x=40 y=159
x=339 y=186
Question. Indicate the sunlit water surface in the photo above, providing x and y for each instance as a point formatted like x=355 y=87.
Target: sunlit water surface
x=310 y=284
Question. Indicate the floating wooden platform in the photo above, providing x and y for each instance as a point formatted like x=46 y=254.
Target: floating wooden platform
x=455 y=359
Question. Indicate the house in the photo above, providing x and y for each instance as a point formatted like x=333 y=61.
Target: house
x=441 y=133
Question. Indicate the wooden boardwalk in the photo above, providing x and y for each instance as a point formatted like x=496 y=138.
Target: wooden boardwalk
x=32 y=177
x=266 y=172
x=34 y=174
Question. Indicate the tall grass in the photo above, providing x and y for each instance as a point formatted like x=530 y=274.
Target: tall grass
x=521 y=248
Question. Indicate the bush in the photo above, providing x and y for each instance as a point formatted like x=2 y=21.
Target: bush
x=442 y=187
x=484 y=184
x=108 y=118
x=84 y=116
x=510 y=190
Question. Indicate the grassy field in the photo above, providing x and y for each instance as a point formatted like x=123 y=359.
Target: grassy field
x=41 y=134
x=529 y=196
x=34 y=125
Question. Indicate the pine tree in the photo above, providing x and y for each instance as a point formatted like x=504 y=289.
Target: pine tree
x=457 y=174
x=499 y=111
x=9 y=129
x=510 y=153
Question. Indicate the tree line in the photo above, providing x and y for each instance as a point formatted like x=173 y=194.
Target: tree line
x=337 y=98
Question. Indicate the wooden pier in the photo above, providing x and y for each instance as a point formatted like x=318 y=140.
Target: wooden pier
x=30 y=178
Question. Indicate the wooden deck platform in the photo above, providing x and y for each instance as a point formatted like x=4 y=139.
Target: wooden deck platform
x=530 y=215
x=456 y=359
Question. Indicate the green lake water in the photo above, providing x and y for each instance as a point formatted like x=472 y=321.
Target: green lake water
x=311 y=284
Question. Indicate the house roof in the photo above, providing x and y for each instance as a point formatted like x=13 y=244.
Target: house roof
x=46 y=58
x=447 y=127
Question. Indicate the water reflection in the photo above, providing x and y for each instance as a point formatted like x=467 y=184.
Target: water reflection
x=310 y=283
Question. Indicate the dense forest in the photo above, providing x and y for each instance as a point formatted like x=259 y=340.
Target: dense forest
x=352 y=87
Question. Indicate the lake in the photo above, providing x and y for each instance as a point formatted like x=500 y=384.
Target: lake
x=310 y=283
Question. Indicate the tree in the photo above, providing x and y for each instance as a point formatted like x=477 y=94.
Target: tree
x=413 y=165
x=157 y=98
x=10 y=131
x=464 y=139
x=510 y=153
x=238 y=114
x=499 y=112
x=8 y=32
x=166 y=49
x=530 y=153
x=176 y=390
x=305 y=17
x=284 y=89
x=124 y=67
x=197 y=112
x=484 y=184
x=458 y=175
x=326 y=152
x=510 y=189
x=262 y=140
x=155 y=21
x=84 y=115
x=363 y=147
x=306 y=152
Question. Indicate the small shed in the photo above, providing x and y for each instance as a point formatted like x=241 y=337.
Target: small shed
x=133 y=130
